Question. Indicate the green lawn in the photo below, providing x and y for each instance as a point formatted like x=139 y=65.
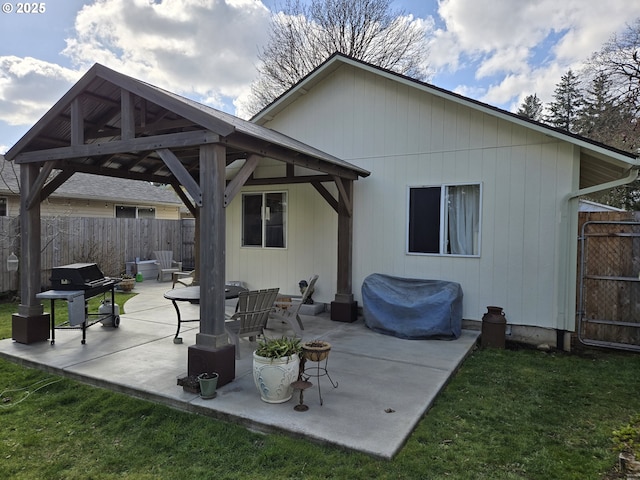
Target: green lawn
x=507 y=414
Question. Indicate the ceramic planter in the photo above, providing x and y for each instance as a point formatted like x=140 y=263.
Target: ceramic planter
x=273 y=377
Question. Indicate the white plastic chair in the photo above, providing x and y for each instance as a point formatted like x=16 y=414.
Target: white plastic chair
x=166 y=265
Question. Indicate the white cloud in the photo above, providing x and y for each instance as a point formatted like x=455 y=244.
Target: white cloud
x=505 y=42
x=205 y=48
x=29 y=87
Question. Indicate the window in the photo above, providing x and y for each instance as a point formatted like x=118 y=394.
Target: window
x=123 y=211
x=3 y=207
x=264 y=219
x=444 y=220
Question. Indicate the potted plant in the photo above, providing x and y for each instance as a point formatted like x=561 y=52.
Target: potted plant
x=276 y=364
x=208 y=384
x=127 y=282
x=316 y=350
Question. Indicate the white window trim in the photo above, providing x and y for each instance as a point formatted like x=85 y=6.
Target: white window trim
x=137 y=207
x=443 y=220
x=6 y=205
x=264 y=225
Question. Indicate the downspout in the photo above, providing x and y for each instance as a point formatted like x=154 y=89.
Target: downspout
x=634 y=173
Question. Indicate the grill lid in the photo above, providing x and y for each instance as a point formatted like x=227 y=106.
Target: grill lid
x=76 y=275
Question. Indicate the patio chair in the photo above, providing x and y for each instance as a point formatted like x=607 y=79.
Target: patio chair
x=166 y=265
x=251 y=316
x=287 y=310
x=183 y=278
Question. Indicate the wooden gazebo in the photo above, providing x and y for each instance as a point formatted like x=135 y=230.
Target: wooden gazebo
x=114 y=125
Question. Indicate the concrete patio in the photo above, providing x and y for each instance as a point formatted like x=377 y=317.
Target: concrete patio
x=385 y=384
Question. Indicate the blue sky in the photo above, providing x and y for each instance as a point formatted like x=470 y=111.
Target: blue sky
x=495 y=51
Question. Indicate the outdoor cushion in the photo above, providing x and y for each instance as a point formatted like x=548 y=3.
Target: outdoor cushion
x=412 y=308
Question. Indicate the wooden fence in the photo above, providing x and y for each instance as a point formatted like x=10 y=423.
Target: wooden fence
x=109 y=242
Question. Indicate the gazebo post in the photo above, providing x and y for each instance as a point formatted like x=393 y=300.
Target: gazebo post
x=30 y=324
x=344 y=308
x=212 y=351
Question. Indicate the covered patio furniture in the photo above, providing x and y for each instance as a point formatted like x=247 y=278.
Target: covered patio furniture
x=412 y=308
x=287 y=310
x=166 y=265
x=251 y=315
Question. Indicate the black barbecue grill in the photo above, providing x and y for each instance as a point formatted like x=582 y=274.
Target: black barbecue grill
x=76 y=283
x=81 y=276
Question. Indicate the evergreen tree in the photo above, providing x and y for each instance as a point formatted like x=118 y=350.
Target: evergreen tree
x=567 y=103
x=599 y=118
x=531 y=107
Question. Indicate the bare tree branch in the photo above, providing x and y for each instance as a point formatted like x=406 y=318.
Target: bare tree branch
x=303 y=36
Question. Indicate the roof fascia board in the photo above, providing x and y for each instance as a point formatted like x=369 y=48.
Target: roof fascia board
x=631 y=177
x=137 y=87
x=335 y=61
x=298 y=90
x=53 y=112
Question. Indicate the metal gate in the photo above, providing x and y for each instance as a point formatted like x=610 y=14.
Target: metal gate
x=609 y=285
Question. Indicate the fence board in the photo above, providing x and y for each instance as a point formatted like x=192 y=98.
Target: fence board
x=109 y=242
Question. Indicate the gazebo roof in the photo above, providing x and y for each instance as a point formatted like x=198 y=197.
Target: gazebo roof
x=114 y=125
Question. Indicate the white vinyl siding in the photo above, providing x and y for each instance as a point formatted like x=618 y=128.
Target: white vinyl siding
x=406 y=136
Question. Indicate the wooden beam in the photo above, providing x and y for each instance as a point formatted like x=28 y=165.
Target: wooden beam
x=182 y=175
x=113 y=172
x=212 y=247
x=36 y=187
x=345 y=198
x=30 y=243
x=265 y=149
x=186 y=200
x=127 y=115
x=322 y=190
x=289 y=180
x=182 y=139
x=344 y=293
x=234 y=186
x=54 y=183
x=77 y=122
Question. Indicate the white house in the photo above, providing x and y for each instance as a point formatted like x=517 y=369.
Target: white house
x=510 y=238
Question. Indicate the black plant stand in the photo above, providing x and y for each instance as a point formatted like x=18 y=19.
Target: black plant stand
x=317 y=371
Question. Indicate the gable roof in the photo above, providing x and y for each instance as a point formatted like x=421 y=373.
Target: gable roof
x=599 y=162
x=83 y=186
x=112 y=124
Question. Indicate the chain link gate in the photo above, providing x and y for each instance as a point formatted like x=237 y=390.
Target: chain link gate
x=609 y=289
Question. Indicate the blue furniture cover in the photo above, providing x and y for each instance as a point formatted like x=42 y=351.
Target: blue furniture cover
x=412 y=308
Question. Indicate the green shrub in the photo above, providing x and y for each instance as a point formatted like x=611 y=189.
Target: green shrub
x=627 y=438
